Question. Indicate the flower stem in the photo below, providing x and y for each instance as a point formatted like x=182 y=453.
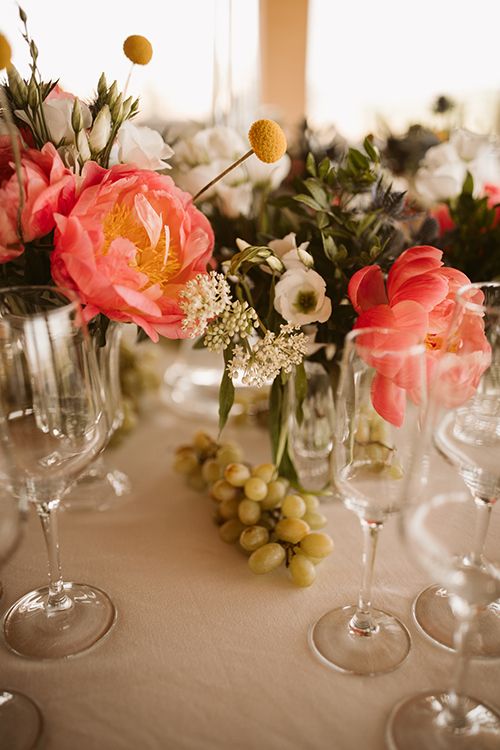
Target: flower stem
x=223 y=174
x=483 y=515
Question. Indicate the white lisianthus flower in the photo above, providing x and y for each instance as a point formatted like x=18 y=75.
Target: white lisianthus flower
x=101 y=130
x=142 y=146
x=57 y=111
x=445 y=166
x=234 y=201
x=300 y=297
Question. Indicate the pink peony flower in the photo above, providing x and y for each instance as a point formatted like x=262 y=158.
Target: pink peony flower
x=48 y=186
x=417 y=302
x=129 y=245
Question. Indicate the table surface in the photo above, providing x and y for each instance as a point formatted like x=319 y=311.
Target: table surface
x=205 y=654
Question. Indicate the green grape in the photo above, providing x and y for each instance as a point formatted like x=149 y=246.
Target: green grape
x=249 y=512
x=228 y=453
x=311 y=501
x=253 y=537
x=222 y=490
x=202 y=442
x=314 y=519
x=267 y=472
x=211 y=471
x=236 y=474
x=255 y=489
x=266 y=558
x=316 y=544
x=275 y=493
x=293 y=506
x=302 y=570
x=185 y=461
x=196 y=481
x=228 y=509
x=230 y=531
x=291 y=530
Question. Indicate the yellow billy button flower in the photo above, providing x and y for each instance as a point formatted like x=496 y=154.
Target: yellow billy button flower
x=5 y=53
x=138 y=49
x=268 y=143
x=267 y=140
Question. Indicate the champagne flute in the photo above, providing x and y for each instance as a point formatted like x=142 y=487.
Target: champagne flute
x=52 y=425
x=437 y=525
x=469 y=437
x=20 y=718
x=381 y=393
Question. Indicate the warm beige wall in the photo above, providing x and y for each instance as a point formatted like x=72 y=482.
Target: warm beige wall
x=283 y=35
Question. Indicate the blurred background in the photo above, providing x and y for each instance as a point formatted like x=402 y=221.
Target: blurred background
x=356 y=67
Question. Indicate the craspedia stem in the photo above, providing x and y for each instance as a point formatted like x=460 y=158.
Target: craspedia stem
x=223 y=174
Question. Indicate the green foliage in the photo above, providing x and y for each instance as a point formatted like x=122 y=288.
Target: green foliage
x=473 y=243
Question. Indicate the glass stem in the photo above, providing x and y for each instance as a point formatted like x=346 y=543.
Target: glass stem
x=362 y=622
x=454 y=715
x=57 y=599
x=483 y=515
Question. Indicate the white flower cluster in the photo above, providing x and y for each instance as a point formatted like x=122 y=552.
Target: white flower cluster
x=268 y=356
x=237 y=319
x=203 y=298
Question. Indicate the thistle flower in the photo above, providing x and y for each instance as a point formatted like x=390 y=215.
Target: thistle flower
x=138 y=49
x=5 y=53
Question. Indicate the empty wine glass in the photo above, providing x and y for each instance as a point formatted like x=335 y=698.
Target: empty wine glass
x=469 y=437
x=437 y=524
x=52 y=425
x=20 y=718
x=381 y=393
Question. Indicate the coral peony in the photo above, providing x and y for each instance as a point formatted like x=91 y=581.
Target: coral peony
x=48 y=187
x=129 y=245
x=417 y=302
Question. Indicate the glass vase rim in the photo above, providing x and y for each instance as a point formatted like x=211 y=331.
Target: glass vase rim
x=73 y=299
x=475 y=306
x=418 y=348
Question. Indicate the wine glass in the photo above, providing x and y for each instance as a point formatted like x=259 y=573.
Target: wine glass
x=469 y=437
x=437 y=525
x=52 y=425
x=20 y=718
x=380 y=396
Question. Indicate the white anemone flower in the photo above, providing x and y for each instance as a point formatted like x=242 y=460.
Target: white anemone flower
x=300 y=297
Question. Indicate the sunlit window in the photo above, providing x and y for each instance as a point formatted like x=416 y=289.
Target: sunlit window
x=387 y=61
x=196 y=43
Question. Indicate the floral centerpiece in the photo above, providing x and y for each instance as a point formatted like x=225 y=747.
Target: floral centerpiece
x=83 y=205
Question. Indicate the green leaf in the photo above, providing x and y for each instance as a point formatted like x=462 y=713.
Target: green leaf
x=468 y=186
x=226 y=391
x=300 y=387
x=357 y=159
x=308 y=201
x=324 y=167
x=275 y=414
x=311 y=164
x=322 y=220
x=329 y=247
x=248 y=254
x=317 y=192
x=371 y=150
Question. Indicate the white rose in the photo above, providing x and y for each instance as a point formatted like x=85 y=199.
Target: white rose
x=267 y=175
x=234 y=200
x=300 y=298
x=142 y=146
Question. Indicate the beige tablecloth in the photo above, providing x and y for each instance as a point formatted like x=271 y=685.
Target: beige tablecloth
x=204 y=654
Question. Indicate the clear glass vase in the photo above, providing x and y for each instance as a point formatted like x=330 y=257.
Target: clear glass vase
x=311 y=428
x=102 y=487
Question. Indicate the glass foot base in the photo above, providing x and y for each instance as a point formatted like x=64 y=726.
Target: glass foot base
x=31 y=631
x=98 y=490
x=435 y=619
x=415 y=723
x=338 y=646
x=20 y=721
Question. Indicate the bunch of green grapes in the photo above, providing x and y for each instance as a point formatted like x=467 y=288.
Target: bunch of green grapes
x=256 y=509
